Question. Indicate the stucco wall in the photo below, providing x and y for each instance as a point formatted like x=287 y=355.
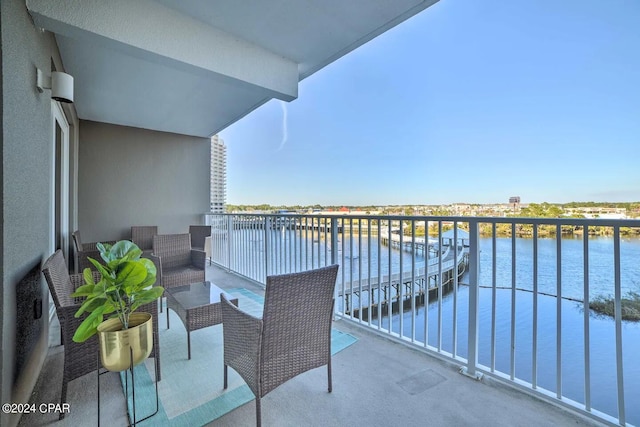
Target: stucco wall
x=129 y=176
x=26 y=195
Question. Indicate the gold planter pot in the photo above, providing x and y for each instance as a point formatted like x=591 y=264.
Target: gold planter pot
x=115 y=342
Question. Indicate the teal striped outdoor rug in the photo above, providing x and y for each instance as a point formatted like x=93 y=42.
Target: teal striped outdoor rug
x=191 y=391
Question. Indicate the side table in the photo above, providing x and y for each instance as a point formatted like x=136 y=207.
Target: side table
x=197 y=305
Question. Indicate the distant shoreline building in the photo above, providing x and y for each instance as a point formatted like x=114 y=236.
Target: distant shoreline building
x=600 y=212
x=218 y=196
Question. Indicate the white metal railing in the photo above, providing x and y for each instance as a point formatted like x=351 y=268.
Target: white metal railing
x=506 y=300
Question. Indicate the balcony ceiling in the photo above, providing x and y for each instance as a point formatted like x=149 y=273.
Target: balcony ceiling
x=194 y=67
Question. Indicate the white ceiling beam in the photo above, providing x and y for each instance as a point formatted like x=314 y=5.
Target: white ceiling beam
x=146 y=29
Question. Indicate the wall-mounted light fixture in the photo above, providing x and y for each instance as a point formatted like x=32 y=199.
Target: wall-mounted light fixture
x=61 y=85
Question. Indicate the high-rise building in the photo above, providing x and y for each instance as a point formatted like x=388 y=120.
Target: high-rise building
x=218 y=198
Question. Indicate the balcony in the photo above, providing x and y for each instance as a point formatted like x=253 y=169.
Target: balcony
x=159 y=98
x=376 y=381
x=512 y=317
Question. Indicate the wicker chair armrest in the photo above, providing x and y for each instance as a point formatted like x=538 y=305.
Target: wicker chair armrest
x=198 y=258
x=68 y=322
x=242 y=342
x=68 y=312
x=157 y=261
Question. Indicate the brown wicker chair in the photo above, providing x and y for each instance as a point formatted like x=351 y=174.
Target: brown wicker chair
x=80 y=358
x=198 y=235
x=179 y=264
x=293 y=336
x=142 y=235
x=84 y=251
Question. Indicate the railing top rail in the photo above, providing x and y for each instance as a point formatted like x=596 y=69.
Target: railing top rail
x=580 y=222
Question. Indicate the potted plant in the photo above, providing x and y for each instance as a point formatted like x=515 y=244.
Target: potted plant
x=126 y=283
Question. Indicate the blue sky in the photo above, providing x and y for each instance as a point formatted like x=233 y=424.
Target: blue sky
x=469 y=101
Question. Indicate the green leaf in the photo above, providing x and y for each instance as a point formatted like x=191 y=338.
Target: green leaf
x=101 y=269
x=84 y=291
x=150 y=280
x=133 y=254
x=111 y=288
x=88 y=276
x=91 y=305
x=99 y=288
x=149 y=265
x=147 y=296
x=88 y=327
x=150 y=294
x=122 y=249
x=109 y=308
x=104 y=249
x=131 y=273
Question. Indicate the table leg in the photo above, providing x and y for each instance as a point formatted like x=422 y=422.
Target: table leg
x=98 y=372
x=167 y=317
x=189 y=344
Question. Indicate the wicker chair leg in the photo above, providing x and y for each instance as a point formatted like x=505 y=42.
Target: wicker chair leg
x=63 y=398
x=225 y=377
x=258 y=413
x=329 y=375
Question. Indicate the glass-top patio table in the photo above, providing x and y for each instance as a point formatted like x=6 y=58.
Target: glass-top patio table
x=197 y=305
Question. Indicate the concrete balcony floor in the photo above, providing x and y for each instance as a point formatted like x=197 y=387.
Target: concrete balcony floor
x=376 y=382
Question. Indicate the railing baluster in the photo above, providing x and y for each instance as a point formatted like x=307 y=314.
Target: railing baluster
x=334 y=259
x=342 y=262
x=586 y=298
x=454 y=335
x=306 y=246
x=401 y=282
x=326 y=239
x=267 y=245
x=379 y=260
x=412 y=292
x=389 y=284
x=618 y=321
x=256 y=260
x=440 y=288
x=474 y=299
x=230 y=243
x=558 y=312
x=370 y=288
x=426 y=284
x=534 y=344
x=315 y=242
x=494 y=280
x=512 y=356
x=359 y=270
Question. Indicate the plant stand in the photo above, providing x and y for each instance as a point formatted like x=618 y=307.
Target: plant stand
x=129 y=371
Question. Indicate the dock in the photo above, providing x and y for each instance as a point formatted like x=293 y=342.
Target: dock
x=366 y=294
